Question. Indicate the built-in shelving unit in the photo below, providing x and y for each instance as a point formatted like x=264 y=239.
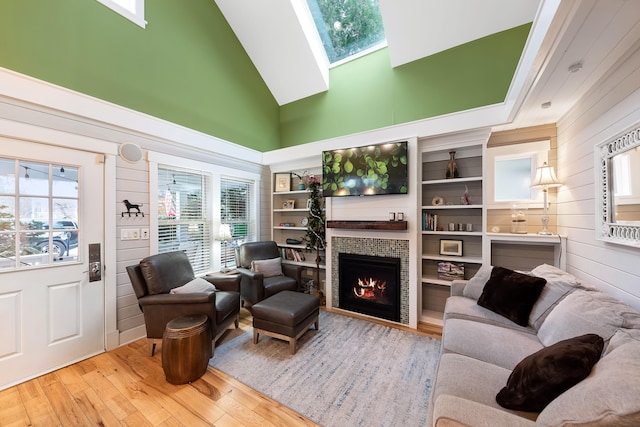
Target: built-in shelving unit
x=442 y=202
x=289 y=209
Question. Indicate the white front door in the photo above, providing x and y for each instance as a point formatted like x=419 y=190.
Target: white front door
x=51 y=211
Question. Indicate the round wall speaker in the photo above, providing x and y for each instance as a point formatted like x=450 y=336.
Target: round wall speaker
x=131 y=153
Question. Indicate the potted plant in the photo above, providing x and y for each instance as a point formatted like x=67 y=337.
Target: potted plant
x=301 y=180
x=315 y=234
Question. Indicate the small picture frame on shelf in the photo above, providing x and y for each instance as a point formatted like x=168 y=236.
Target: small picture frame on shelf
x=309 y=202
x=289 y=204
x=451 y=247
x=282 y=182
x=450 y=270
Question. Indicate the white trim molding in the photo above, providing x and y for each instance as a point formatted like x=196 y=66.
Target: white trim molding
x=134 y=12
x=26 y=99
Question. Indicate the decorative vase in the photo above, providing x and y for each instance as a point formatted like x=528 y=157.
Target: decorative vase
x=518 y=220
x=301 y=186
x=452 y=166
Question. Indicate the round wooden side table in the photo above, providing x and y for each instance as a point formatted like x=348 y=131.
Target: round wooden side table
x=186 y=348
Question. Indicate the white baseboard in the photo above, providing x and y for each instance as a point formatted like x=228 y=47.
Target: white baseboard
x=132 y=335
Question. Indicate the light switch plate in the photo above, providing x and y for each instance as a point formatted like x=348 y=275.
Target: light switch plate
x=130 y=234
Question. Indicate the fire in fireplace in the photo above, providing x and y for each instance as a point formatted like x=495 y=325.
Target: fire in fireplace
x=370 y=285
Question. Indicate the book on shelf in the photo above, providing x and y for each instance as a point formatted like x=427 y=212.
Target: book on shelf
x=429 y=221
x=291 y=254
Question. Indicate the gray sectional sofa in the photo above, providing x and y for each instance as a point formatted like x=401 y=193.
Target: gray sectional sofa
x=481 y=349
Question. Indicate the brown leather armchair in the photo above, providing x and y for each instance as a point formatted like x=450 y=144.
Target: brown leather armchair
x=155 y=276
x=254 y=286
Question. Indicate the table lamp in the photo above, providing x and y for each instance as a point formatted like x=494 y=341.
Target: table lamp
x=224 y=235
x=545 y=178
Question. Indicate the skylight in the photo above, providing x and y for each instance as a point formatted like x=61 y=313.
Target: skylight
x=348 y=28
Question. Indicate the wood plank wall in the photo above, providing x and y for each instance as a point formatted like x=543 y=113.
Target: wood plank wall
x=132 y=183
x=613 y=106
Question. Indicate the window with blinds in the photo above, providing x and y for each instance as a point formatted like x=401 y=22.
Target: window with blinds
x=184 y=223
x=236 y=211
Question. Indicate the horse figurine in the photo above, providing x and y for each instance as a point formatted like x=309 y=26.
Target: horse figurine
x=130 y=206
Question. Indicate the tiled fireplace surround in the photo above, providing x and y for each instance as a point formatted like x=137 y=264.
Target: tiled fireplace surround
x=394 y=248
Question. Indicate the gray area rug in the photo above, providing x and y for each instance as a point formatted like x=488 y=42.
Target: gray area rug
x=349 y=373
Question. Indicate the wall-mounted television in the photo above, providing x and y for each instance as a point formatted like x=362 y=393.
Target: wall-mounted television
x=365 y=171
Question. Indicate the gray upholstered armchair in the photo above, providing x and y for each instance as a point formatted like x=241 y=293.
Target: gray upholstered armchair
x=156 y=276
x=258 y=285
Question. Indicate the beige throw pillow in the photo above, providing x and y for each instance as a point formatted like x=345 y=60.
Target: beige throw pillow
x=268 y=267
x=197 y=285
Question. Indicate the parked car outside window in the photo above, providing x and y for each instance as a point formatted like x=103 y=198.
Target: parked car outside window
x=64 y=237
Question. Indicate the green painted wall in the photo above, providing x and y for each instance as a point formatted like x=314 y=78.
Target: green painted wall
x=368 y=94
x=186 y=67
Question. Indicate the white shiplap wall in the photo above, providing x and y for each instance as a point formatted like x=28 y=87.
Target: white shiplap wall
x=610 y=108
x=132 y=183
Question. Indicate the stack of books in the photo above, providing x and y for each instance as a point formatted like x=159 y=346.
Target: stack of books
x=292 y=254
x=429 y=222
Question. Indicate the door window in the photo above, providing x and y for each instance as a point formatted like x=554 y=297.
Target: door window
x=38 y=214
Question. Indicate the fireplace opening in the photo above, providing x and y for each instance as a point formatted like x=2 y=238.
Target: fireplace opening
x=370 y=285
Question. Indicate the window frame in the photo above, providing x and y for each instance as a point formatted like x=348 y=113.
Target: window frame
x=227 y=249
x=183 y=223
x=537 y=151
x=136 y=16
x=52 y=227
x=217 y=173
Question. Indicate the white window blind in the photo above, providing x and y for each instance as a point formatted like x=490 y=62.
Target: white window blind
x=237 y=210
x=184 y=223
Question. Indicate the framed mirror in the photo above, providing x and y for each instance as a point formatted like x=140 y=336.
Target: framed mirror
x=618 y=189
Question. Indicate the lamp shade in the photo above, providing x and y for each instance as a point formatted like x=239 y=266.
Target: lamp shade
x=224 y=233
x=546 y=176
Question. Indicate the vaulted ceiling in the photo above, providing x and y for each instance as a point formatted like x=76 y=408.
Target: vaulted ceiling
x=281 y=39
x=572 y=44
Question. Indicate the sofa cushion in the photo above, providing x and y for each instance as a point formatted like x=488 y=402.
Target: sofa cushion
x=475 y=285
x=607 y=397
x=511 y=294
x=468 y=309
x=195 y=286
x=454 y=411
x=559 y=285
x=583 y=312
x=268 y=267
x=468 y=379
x=621 y=337
x=490 y=343
x=544 y=375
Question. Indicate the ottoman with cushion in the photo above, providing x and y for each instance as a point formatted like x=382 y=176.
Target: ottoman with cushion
x=286 y=315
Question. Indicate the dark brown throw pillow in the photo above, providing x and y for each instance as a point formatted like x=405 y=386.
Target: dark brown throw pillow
x=511 y=294
x=546 y=374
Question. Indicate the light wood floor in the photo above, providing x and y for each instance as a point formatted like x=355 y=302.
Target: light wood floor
x=127 y=387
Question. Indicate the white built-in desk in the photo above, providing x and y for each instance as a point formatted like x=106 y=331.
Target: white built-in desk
x=525 y=251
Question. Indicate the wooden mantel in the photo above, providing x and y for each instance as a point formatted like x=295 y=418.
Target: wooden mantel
x=368 y=225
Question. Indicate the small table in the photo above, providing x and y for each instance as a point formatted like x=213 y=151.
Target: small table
x=286 y=315
x=186 y=348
